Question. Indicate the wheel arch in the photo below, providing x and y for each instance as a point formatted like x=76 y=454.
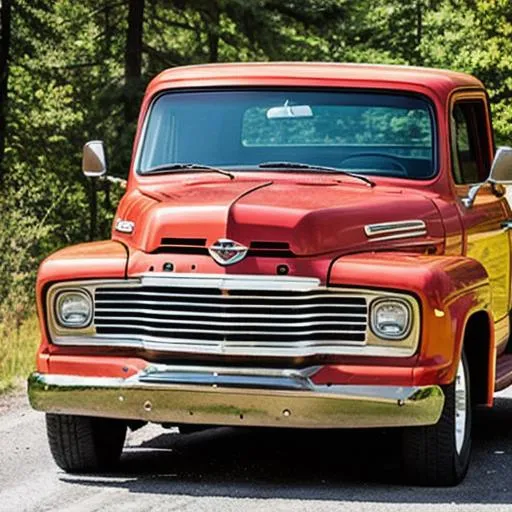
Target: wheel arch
x=478 y=345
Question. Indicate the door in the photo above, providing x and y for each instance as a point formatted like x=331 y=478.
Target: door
x=486 y=234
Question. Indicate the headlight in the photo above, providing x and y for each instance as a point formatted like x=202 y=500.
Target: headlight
x=391 y=319
x=74 y=309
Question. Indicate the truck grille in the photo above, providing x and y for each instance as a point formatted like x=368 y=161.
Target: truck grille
x=213 y=320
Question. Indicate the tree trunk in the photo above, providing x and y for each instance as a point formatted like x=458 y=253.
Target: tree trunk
x=107 y=205
x=213 y=33
x=5 y=40
x=133 y=58
x=93 y=209
x=210 y=15
x=419 y=31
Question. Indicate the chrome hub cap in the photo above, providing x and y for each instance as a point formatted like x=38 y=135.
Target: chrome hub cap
x=461 y=398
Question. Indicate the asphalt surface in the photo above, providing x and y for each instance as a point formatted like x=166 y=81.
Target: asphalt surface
x=241 y=469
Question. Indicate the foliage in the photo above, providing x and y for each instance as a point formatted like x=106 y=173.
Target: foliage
x=476 y=41
x=18 y=345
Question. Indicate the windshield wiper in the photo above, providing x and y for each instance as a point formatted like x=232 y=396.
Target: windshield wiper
x=186 y=167
x=300 y=165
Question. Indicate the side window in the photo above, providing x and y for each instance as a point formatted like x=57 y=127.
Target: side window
x=470 y=143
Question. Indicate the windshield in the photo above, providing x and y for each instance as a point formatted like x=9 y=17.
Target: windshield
x=368 y=132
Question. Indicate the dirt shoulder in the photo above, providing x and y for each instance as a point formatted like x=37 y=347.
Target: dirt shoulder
x=13 y=399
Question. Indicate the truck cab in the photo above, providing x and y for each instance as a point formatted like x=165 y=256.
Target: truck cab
x=300 y=245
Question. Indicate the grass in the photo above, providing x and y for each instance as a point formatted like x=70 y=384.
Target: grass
x=17 y=352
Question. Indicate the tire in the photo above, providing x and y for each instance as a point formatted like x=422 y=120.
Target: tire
x=83 y=444
x=439 y=454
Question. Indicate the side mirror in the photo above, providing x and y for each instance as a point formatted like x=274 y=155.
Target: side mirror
x=94 y=163
x=501 y=174
x=501 y=169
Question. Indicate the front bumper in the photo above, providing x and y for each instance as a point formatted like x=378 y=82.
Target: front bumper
x=235 y=397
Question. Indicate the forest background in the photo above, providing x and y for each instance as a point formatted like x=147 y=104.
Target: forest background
x=71 y=71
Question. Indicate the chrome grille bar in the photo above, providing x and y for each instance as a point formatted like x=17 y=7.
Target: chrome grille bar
x=226 y=305
x=210 y=323
x=224 y=332
x=216 y=294
x=361 y=317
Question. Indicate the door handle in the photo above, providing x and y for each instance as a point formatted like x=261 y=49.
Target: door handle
x=506 y=225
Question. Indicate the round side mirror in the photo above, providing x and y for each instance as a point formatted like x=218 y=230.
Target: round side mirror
x=94 y=163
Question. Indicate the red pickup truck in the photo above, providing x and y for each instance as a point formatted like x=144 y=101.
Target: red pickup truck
x=299 y=245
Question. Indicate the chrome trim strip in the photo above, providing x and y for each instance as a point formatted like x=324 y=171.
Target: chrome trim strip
x=230 y=281
x=238 y=306
x=399 y=229
x=280 y=399
x=170 y=323
x=233 y=370
x=404 y=225
x=256 y=349
x=330 y=293
x=410 y=234
x=336 y=316
x=228 y=377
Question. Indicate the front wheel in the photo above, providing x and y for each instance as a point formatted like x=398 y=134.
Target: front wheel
x=439 y=454
x=80 y=443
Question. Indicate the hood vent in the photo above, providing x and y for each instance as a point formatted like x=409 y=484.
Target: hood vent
x=270 y=250
x=182 y=246
x=198 y=246
x=200 y=242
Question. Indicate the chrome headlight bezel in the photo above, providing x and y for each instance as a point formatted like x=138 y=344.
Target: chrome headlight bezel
x=376 y=304
x=61 y=296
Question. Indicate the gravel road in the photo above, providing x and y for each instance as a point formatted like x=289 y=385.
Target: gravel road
x=231 y=470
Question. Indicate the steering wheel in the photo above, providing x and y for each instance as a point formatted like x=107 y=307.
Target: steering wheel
x=399 y=166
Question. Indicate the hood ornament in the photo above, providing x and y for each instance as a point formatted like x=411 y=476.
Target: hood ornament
x=227 y=252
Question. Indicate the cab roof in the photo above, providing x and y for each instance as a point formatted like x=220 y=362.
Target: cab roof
x=439 y=81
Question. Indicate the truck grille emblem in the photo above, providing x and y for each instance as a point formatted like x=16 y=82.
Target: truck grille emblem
x=227 y=252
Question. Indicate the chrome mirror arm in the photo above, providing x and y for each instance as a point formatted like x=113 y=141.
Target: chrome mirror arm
x=472 y=193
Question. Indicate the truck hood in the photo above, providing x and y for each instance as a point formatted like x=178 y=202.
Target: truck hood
x=313 y=216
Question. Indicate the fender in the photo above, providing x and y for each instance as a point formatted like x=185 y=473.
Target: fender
x=93 y=260
x=449 y=288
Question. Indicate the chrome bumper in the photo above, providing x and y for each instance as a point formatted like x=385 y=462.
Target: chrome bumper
x=228 y=396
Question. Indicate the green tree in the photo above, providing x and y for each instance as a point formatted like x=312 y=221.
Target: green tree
x=5 y=43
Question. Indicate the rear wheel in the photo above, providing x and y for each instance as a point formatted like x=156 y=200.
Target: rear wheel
x=439 y=454
x=80 y=443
